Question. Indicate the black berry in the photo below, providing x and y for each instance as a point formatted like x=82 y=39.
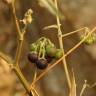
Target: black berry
x=41 y=63
x=32 y=57
x=48 y=58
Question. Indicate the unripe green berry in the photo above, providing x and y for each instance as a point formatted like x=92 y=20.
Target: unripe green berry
x=58 y=54
x=50 y=51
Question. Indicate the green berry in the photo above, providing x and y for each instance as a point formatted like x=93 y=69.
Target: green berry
x=50 y=51
x=90 y=40
x=58 y=54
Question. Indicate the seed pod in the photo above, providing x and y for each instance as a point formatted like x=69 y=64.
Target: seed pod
x=58 y=54
x=41 y=63
x=32 y=57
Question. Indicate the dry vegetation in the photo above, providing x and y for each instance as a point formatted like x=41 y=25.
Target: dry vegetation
x=22 y=23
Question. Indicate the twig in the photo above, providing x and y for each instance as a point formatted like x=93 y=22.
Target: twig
x=6 y=58
x=47 y=70
x=86 y=85
x=78 y=44
x=73 y=85
x=57 y=62
x=18 y=51
x=20 y=37
x=22 y=79
x=35 y=74
x=61 y=46
x=15 y=18
x=83 y=88
x=33 y=90
x=73 y=32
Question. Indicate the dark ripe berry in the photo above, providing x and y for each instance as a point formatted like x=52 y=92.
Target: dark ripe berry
x=48 y=58
x=32 y=57
x=41 y=63
x=50 y=50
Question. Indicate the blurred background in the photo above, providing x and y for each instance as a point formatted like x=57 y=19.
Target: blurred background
x=77 y=14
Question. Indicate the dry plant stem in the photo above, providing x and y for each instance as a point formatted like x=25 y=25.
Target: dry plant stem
x=15 y=18
x=34 y=78
x=83 y=88
x=73 y=32
x=35 y=74
x=73 y=85
x=69 y=52
x=34 y=91
x=22 y=79
x=48 y=69
x=17 y=72
x=18 y=52
x=6 y=58
x=86 y=85
x=78 y=44
x=61 y=46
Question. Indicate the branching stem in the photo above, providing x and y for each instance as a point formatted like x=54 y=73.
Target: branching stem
x=61 y=46
x=18 y=51
x=67 y=54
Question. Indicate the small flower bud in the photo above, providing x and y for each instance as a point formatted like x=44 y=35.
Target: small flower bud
x=28 y=17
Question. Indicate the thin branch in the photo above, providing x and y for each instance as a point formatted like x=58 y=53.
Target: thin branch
x=19 y=46
x=47 y=70
x=73 y=85
x=35 y=74
x=58 y=61
x=86 y=85
x=83 y=88
x=78 y=44
x=61 y=46
x=6 y=58
x=33 y=90
x=18 y=52
x=73 y=32
x=22 y=79
x=15 y=18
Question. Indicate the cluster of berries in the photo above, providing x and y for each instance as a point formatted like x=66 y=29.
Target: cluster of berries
x=90 y=40
x=42 y=52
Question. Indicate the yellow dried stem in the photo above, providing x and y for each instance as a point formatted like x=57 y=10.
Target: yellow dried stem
x=61 y=46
